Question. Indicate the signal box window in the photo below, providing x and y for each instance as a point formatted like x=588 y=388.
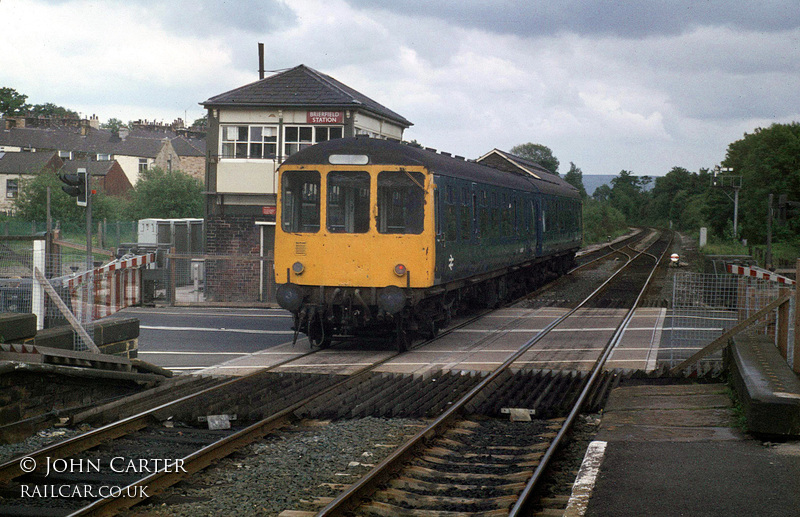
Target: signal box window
x=348 y=202
x=249 y=141
x=300 y=202
x=401 y=202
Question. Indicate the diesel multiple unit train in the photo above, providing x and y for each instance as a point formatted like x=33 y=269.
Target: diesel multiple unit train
x=375 y=236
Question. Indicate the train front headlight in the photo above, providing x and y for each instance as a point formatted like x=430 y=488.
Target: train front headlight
x=400 y=270
x=298 y=268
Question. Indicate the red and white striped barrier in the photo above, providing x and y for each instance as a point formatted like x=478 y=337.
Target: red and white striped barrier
x=116 y=285
x=756 y=272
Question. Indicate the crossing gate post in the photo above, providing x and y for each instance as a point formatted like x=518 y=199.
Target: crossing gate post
x=796 y=354
x=782 y=332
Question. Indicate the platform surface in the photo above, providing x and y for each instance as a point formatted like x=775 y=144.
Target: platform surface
x=677 y=450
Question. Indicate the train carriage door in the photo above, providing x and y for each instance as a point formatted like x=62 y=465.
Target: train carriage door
x=476 y=232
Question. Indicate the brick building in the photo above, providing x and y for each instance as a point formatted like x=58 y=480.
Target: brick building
x=251 y=130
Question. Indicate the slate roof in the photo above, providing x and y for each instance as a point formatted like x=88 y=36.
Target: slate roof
x=141 y=143
x=302 y=87
x=519 y=165
x=24 y=163
x=96 y=168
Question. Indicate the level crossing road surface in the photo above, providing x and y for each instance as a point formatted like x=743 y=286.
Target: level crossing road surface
x=230 y=341
x=192 y=339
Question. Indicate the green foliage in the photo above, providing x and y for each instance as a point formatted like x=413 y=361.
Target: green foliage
x=31 y=204
x=575 y=178
x=12 y=102
x=50 y=110
x=769 y=162
x=113 y=124
x=601 y=221
x=163 y=194
x=202 y=122
x=537 y=153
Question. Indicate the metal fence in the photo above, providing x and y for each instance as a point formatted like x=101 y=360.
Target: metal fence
x=705 y=306
x=22 y=261
x=190 y=279
x=61 y=288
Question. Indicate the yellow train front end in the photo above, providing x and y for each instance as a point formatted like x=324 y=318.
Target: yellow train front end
x=352 y=243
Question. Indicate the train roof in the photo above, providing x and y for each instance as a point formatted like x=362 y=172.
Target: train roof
x=387 y=152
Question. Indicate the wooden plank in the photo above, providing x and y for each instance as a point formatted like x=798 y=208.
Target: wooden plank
x=73 y=321
x=722 y=341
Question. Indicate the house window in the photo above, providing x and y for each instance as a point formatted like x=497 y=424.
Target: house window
x=103 y=157
x=299 y=137
x=142 y=164
x=65 y=155
x=249 y=141
x=12 y=188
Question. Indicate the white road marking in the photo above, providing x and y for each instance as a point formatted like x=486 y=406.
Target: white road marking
x=211 y=329
x=586 y=479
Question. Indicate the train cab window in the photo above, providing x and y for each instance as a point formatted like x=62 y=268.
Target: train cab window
x=401 y=202
x=300 y=201
x=348 y=202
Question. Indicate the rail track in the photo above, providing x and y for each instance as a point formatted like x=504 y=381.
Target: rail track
x=401 y=484
x=271 y=400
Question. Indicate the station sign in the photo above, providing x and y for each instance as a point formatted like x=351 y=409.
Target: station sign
x=324 y=117
x=269 y=210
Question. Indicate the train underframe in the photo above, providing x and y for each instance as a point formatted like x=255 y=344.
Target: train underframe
x=328 y=314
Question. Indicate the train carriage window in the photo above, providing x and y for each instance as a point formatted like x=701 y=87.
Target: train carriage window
x=401 y=202
x=300 y=201
x=348 y=202
x=466 y=218
x=450 y=215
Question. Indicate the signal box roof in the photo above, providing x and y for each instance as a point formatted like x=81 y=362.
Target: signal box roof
x=302 y=87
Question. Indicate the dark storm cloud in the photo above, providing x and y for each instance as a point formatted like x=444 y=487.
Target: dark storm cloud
x=201 y=18
x=622 y=18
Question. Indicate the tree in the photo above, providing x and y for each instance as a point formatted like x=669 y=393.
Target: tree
x=50 y=110
x=31 y=203
x=113 y=124
x=12 y=102
x=769 y=162
x=575 y=178
x=202 y=122
x=537 y=153
x=164 y=194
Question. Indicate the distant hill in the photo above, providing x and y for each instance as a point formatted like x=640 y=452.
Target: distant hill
x=592 y=181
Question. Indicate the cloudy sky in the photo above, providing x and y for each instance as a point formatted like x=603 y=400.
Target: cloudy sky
x=609 y=85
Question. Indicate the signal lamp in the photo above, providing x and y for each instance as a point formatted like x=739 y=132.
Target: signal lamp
x=399 y=270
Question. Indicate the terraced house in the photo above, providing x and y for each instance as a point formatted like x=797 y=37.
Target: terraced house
x=142 y=146
x=251 y=130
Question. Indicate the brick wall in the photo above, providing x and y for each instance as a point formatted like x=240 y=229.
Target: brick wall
x=232 y=280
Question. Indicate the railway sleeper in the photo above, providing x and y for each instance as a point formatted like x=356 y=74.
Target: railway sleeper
x=463 y=504
x=468 y=477
x=388 y=510
x=431 y=488
x=496 y=464
x=511 y=458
